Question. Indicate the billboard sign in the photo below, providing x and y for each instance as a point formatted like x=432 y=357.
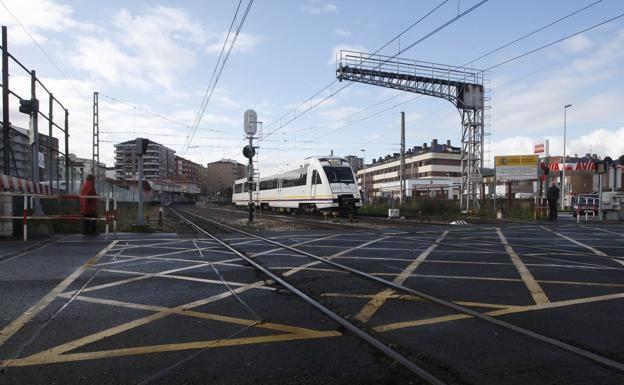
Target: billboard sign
x=539 y=148
x=516 y=167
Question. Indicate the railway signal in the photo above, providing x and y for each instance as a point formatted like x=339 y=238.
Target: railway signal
x=249 y=152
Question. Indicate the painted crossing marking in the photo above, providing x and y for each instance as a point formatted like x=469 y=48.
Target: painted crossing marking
x=380 y=298
x=29 y=314
x=534 y=288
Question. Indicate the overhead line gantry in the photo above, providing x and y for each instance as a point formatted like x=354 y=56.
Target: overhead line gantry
x=459 y=85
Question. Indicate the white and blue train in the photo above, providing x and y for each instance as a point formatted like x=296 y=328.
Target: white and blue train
x=322 y=183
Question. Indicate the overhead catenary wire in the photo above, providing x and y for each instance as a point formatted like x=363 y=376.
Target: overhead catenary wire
x=216 y=77
x=554 y=42
x=486 y=54
x=438 y=29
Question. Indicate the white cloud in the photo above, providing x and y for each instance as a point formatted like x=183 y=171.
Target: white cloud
x=577 y=44
x=316 y=8
x=245 y=42
x=601 y=141
x=39 y=17
x=343 y=32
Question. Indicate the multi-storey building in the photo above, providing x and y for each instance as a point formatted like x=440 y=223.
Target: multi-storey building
x=158 y=161
x=187 y=168
x=434 y=168
x=220 y=176
x=21 y=160
x=355 y=162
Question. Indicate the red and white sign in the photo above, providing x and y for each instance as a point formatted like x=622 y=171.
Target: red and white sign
x=579 y=166
x=539 y=148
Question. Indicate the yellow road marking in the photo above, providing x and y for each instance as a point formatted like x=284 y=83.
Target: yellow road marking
x=534 y=288
x=178 y=277
x=60 y=349
x=508 y=279
x=495 y=313
x=218 y=343
x=588 y=247
x=338 y=254
x=29 y=314
x=407 y=297
x=196 y=314
x=380 y=298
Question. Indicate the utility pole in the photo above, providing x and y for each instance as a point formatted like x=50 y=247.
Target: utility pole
x=6 y=125
x=95 y=156
x=67 y=154
x=402 y=168
x=50 y=124
x=563 y=185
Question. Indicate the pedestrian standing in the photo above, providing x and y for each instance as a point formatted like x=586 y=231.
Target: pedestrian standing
x=88 y=206
x=552 y=196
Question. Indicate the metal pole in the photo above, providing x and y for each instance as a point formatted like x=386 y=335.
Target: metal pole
x=95 y=154
x=34 y=126
x=600 y=197
x=250 y=182
x=563 y=185
x=365 y=192
x=50 y=120
x=67 y=151
x=402 y=167
x=6 y=125
x=140 y=218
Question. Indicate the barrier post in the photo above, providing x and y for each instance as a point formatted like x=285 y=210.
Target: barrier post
x=25 y=213
x=106 y=218
x=114 y=216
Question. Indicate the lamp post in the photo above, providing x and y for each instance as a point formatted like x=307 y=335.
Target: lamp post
x=563 y=188
x=365 y=193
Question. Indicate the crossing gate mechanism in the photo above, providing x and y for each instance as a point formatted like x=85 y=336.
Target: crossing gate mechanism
x=461 y=86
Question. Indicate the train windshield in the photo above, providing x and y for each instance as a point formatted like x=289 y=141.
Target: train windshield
x=339 y=174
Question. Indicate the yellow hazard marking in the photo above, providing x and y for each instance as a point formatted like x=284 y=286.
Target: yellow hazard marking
x=588 y=247
x=59 y=353
x=209 y=344
x=338 y=254
x=10 y=330
x=499 y=312
x=406 y=297
x=380 y=298
x=534 y=288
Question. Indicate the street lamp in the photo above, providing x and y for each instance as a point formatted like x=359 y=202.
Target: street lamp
x=364 y=176
x=563 y=189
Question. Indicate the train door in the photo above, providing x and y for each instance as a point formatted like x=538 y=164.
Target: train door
x=314 y=181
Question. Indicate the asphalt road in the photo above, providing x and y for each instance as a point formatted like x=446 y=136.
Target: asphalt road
x=169 y=309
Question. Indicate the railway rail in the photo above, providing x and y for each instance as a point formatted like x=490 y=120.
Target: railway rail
x=198 y=222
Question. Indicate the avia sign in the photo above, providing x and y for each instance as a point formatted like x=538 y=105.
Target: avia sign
x=578 y=166
x=539 y=148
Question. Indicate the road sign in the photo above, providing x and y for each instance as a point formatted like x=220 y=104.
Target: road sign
x=516 y=167
x=251 y=122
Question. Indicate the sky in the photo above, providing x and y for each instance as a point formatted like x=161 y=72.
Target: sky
x=148 y=58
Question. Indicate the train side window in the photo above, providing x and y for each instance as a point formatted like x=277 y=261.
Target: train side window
x=238 y=188
x=316 y=177
x=303 y=179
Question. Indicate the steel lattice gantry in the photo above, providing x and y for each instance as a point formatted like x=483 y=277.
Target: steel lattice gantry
x=461 y=86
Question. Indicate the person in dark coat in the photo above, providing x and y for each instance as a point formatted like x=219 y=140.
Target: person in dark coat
x=88 y=206
x=552 y=196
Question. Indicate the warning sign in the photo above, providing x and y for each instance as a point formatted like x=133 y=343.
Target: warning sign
x=516 y=167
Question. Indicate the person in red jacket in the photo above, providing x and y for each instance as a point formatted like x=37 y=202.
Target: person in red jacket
x=88 y=206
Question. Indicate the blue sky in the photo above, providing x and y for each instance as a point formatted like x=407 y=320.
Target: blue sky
x=159 y=56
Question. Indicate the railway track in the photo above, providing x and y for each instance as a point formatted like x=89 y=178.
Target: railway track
x=303 y=288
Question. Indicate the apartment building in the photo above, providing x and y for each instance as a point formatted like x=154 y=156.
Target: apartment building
x=428 y=168
x=355 y=162
x=187 y=168
x=158 y=161
x=21 y=159
x=220 y=176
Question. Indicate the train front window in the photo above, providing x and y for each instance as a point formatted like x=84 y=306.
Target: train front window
x=339 y=174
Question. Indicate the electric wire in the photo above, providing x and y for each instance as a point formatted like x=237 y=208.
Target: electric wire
x=216 y=78
x=554 y=42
